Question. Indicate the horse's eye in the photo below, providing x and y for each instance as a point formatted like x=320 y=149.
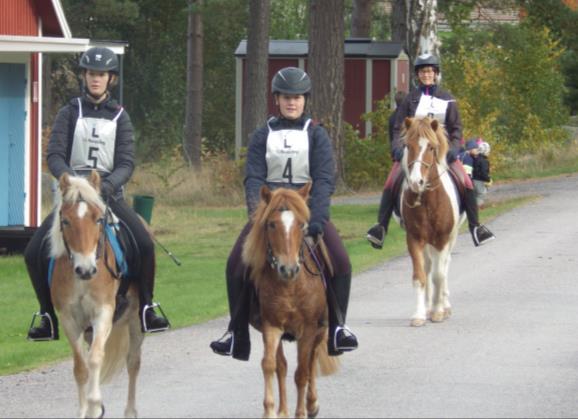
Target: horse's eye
x=271 y=225
x=100 y=220
x=65 y=222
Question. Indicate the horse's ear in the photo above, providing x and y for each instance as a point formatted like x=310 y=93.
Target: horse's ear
x=64 y=182
x=435 y=124
x=94 y=180
x=265 y=194
x=304 y=190
x=408 y=122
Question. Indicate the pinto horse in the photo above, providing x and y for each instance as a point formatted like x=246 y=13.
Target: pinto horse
x=430 y=212
x=84 y=288
x=291 y=295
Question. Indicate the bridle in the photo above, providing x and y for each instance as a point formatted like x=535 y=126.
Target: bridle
x=429 y=179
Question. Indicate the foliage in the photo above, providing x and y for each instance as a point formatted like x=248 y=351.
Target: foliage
x=509 y=88
x=368 y=160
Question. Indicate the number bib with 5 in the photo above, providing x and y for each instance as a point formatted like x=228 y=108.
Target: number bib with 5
x=288 y=155
x=94 y=143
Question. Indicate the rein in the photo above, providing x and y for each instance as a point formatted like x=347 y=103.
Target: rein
x=428 y=187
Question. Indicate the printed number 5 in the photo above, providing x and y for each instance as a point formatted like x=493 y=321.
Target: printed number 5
x=92 y=157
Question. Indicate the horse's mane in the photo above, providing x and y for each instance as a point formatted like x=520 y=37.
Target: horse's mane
x=424 y=128
x=78 y=188
x=255 y=247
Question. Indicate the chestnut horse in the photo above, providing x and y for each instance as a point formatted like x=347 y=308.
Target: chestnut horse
x=291 y=297
x=84 y=287
x=430 y=211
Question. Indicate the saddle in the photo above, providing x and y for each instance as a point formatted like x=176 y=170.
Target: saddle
x=456 y=181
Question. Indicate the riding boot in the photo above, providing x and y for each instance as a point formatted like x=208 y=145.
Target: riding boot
x=48 y=327
x=376 y=234
x=236 y=341
x=341 y=339
x=480 y=233
x=150 y=320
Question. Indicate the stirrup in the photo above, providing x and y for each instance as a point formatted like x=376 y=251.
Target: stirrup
x=489 y=236
x=217 y=345
x=42 y=315
x=347 y=330
x=143 y=319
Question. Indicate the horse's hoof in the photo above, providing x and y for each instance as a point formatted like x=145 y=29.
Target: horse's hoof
x=417 y=322
x=314 y=413
x=448 y=313
x=102 y=413
x=438 y=316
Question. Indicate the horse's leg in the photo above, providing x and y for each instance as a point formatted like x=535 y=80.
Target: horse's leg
x=76 y=340
x=429 y=284
x=271 y=339
x=283 y=411
x=445 y=287
x=305 y=347
x=312 y=397
x=101 y=327
x=133 y=363
x=438 y=265
x=416 y=251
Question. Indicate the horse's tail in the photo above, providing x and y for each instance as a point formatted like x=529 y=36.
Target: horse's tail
x=327 y=364
x=115 y=352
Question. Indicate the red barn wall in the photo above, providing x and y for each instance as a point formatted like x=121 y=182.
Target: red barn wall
x=354 y=93
x=18 y=17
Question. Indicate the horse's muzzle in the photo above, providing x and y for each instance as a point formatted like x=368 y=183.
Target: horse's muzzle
x=288 y=272
x=85 y=274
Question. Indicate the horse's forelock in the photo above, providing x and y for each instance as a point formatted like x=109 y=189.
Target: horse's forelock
x=421 y=128
x=78 y=189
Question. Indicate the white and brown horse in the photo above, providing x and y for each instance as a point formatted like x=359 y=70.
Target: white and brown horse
x=430 y=212
x=84 y=288
x=291 y=298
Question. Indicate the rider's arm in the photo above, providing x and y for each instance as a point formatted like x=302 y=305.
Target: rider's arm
x=59 y=143
x=322 y=168
x=123 y=154
x=255 y=168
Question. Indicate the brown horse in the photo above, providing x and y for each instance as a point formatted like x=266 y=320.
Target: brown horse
x=430 y=212
x=291 y=297
x=83 y=291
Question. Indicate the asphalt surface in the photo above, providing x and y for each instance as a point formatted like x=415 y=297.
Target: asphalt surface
x=509 y=350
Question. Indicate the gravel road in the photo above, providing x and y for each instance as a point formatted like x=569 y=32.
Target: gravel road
x=509 y=350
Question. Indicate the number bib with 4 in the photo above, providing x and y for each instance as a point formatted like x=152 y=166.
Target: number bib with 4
x=288 y=155
x=94 y=143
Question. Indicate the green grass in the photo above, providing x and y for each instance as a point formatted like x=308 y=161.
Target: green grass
x=193 y=292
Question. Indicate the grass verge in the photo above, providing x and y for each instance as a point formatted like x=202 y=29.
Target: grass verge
x=195 y=291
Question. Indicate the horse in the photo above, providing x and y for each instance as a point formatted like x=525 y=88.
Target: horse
x=430 y=213
x=291 y=297
x=84 y=287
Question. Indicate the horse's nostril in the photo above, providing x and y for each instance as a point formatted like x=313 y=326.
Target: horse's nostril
x=78 y=270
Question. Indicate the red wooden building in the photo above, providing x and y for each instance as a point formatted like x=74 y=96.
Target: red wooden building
x=28 y=29
x=373 y=70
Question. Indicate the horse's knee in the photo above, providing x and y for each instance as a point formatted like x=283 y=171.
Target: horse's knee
x=268 y=364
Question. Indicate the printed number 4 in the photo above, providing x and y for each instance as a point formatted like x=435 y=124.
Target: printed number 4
x=92 y=157
x=287 y=172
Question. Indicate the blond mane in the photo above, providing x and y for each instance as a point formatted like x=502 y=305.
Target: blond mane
x=78 y=188
x=255 y=247
x=429 y=128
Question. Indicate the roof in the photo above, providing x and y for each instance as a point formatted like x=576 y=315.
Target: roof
x=10 y=43
x=354 y=47
x=53 y=19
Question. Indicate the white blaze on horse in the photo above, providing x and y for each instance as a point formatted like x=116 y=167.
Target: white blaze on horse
x=291 y=298
x=84 y=288
x=430 y=211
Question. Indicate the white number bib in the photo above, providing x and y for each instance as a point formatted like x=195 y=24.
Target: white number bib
x=288 y=155
x=433 y=107
x=93 y=143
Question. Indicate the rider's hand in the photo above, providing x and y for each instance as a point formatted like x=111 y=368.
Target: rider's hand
x=452 y=156
x=314 y=230
x=106 y=189
x=398 y=154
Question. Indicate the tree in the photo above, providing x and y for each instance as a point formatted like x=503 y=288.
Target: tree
x=414 y=24
x=326 y=67
x=361 y=19
x=255 y=94
x=194 y=99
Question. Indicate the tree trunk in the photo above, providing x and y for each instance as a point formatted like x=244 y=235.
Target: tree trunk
x=361 y=19
x=257 y=68
x=194 y=100
x=414 y=24
x=326 y=68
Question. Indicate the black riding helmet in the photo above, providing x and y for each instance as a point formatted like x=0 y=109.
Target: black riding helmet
x=99 y=59
x=291 y=81
x=427 y=60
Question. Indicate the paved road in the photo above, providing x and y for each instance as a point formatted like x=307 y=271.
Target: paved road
x=510 y=349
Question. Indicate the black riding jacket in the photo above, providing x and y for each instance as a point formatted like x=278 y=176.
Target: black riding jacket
x=321 y=167
x=60 y=144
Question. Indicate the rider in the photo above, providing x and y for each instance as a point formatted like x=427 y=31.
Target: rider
x=290 y=151
x=94 y=132
x=428 y=99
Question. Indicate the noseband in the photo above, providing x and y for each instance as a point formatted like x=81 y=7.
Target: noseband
x=429 y=180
